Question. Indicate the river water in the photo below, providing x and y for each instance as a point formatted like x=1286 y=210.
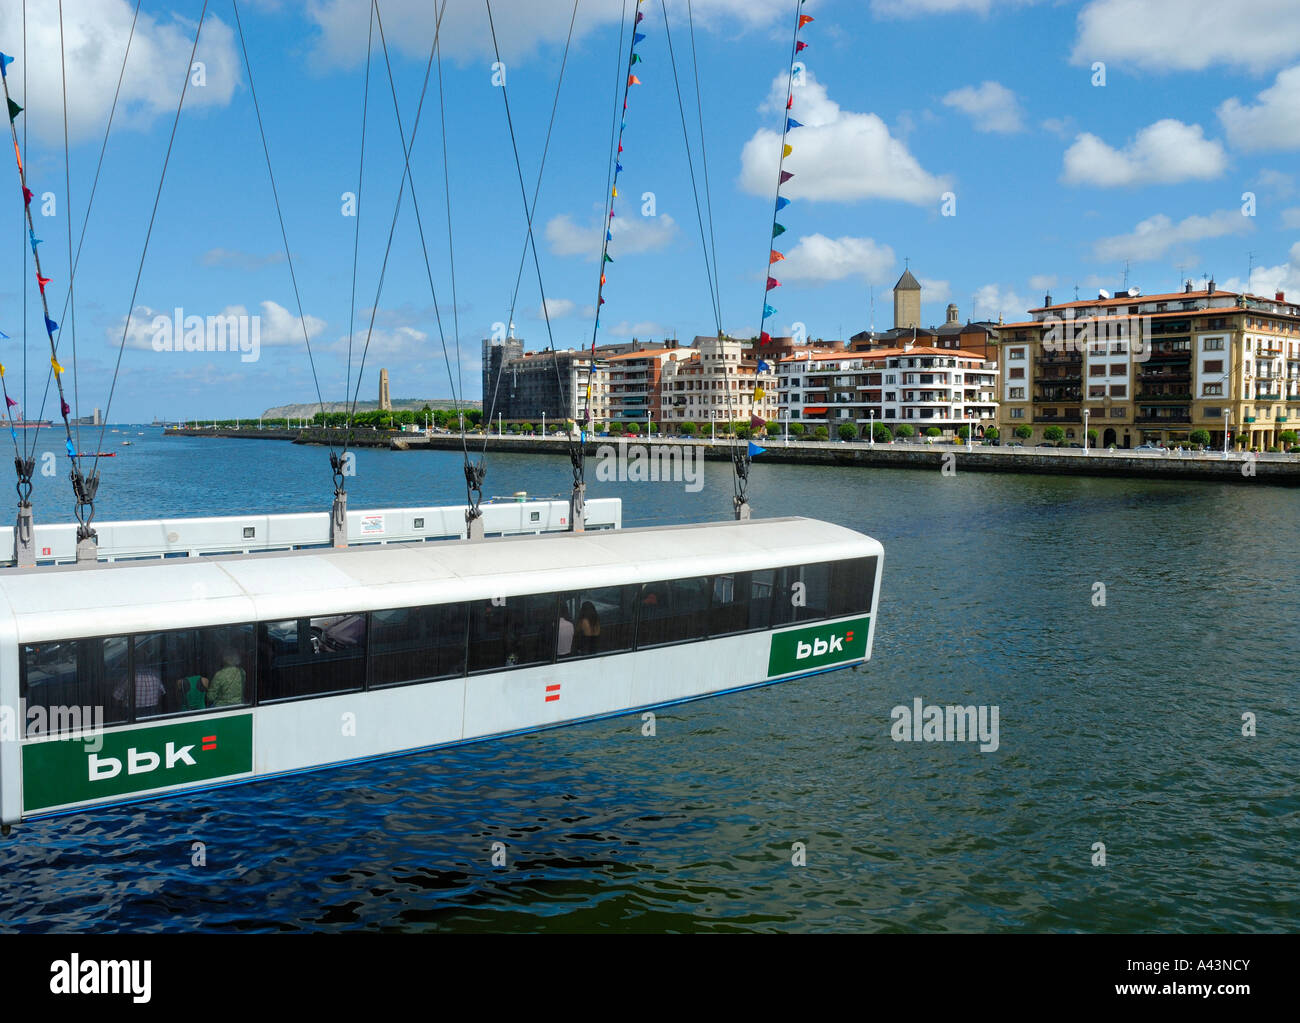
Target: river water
x=1118 y=724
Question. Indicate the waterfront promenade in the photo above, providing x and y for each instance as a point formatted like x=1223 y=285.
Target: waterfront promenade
x=1236 y=467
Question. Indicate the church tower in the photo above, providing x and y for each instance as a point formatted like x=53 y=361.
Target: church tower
x=907 y=302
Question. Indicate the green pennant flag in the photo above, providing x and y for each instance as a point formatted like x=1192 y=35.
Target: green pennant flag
x=636 y=58
x=777 y=230
x=608 y=258
x=14 y=110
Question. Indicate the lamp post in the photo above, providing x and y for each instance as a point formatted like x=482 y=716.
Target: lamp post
x=1227 y=417
x=871 y=430
x=543 y=426
x=1085 y=431
x=970 y=434
x=500 y=415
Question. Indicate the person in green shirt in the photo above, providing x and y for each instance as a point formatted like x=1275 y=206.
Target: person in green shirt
x=227 y=685
x=193 y=690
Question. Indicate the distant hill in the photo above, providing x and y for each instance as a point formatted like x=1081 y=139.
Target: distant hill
x=399 y=404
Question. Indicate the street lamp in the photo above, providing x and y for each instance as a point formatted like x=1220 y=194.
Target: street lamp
x=1227 y=416
x=970 y=433
x=1085 y=431
x=543 y=426
x=871 y=429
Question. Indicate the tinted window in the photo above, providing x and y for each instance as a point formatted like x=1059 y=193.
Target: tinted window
x=675 y=611
x=851 y=585
x=198 y=669
x=514 y=632
x=416 y=644
x=64 y=682
x=312 y=656
x=741 y=602
x=600 y=621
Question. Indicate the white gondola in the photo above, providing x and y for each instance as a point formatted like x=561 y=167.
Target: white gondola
x=221 y=670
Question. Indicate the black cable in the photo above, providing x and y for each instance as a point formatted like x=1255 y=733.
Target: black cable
x=356 y=239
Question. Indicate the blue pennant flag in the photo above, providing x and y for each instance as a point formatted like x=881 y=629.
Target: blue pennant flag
x=3 y=336
x=608 y=237
x=618 y=167
x=5 y=61
x=637 y=38
x=72 y=452
x=754 y=449
x=768 y=311
x=35 y=241
x=781 y=203
x=763 y=367
x=791 y=124
x=50 y=325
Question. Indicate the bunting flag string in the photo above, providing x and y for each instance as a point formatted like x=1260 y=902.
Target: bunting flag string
x=51 y=327
x=781 y=202
x=633 y=58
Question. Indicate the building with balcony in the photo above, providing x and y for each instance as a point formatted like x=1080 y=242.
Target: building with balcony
x=635 y=379
x=715 y=381
x=1153 y=369
x=552 y=384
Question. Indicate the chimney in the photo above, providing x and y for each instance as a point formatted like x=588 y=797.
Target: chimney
x=1187 y=288
x=1211 y=286
x=1047 y=299
x=1280 y=297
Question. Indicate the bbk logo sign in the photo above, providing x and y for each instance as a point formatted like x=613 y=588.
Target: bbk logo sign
x=818 y=646
x=137 y=760
x=144 y=761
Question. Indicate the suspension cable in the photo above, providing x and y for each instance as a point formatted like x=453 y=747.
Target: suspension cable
x=406 y=176
x=139 y=273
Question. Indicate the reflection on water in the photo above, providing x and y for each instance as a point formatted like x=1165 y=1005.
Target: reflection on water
x=1119 y=724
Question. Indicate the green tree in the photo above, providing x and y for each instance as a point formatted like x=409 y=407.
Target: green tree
x=1024 y=432
x=1054 y=434
x=991 y=433
x=883 y=433
x=848 y=431
x=933 y=431
x=634 y=428
x=687 y=429
x=963 y=432
x=1288 y=437
x=525 y=427
x=773 y=429
x=1092 y=438
x=616 y=428
x=798 y=429
x=821 y=433
x=903 y=430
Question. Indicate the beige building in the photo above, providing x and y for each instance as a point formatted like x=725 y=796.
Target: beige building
x=1152 y=369
x=715 y=381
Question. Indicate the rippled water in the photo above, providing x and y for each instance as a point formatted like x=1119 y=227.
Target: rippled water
x=1118 y=724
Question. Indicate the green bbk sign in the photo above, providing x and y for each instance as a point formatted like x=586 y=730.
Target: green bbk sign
x=818 y=646
x=60 y=771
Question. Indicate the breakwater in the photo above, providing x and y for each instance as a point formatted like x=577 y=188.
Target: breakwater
x=1237 y=467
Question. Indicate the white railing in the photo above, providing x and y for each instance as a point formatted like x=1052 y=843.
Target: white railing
x=247 y=534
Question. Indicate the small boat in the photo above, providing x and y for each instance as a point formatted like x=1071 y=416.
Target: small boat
x=126 y=442
x=97 y=454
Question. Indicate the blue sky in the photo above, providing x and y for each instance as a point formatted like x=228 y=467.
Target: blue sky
x=1058 y=178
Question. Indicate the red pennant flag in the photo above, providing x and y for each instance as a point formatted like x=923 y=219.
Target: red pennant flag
x=42 y=281
x=633 y=80
x=772 y=282
x=27 y=195
x=776 y=257
x=786 y=176
x=620 y=147
x=789 y=104
x=66 y=409
x=799 y=47
x=757 y=422
x=12 y=403
x=805 y=19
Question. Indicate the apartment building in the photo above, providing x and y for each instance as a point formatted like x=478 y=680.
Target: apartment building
x=1152 y=369
x=716 y=380
x=635 y=381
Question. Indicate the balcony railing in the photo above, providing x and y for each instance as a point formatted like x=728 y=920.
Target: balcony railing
x=1068 y=417
x=1184 y=417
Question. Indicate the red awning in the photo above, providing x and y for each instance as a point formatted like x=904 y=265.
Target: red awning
x=815 y=410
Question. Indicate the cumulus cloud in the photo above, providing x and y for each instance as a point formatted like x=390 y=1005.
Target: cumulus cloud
x=95 y=34
x=1272 y=121
x=1188 y=35
x=1156 y=236
x=278 y=326
x=992 y=301
x=917 y=8
x=1163 y=153
x=838 y=154
x=991 y=106
x=1268 y=280
x=1291 y=217
x=522 y=26
x=819 y=259
x=631 y=234
x=1041 y=282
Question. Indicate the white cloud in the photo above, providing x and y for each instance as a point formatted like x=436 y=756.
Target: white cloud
x=556 y=308
x=1059 y=126
x=838 y=155
x=934 y=290
x=385 y=342
x=992 y=301
x=1157 y=235
x=1291 y=217
x=917 y=8
x=1162 y=153
x=95 y=34
x=1268 y=280
x=1276 y=182
x=626 y=329
x=631 y=234
x=1188 y=35
x=522 y=26
x=819 y=259
x=992 y=106
x=1041 y=282
x=1272 y=121
x=278 y=326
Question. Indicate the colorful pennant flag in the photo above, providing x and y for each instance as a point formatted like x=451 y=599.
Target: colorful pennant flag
x=769 y=311
x=54 y=363
x=786 y=150
x=72 y=452
x=786 y=176
x=5 y=61
x=781 y=203
x=772 y=282
x=791 y=124
x=50 y=325
x=633 y=80
x=758 y=393
x=754 y=449
x=800 y=47
x=14 y=111
x=757 y=422
x=27 y=195
x=776 y=257
x=765 y=338
x=64 y=407
x=12 y=403
x=777 y=230
x=763 y=367
x=42 y=281
x=805 y=19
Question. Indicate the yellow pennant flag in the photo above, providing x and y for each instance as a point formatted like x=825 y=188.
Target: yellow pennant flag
x=55 y=364
x=758 y=393
x=2 y=369
x=787 y=152
x=616 y=191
